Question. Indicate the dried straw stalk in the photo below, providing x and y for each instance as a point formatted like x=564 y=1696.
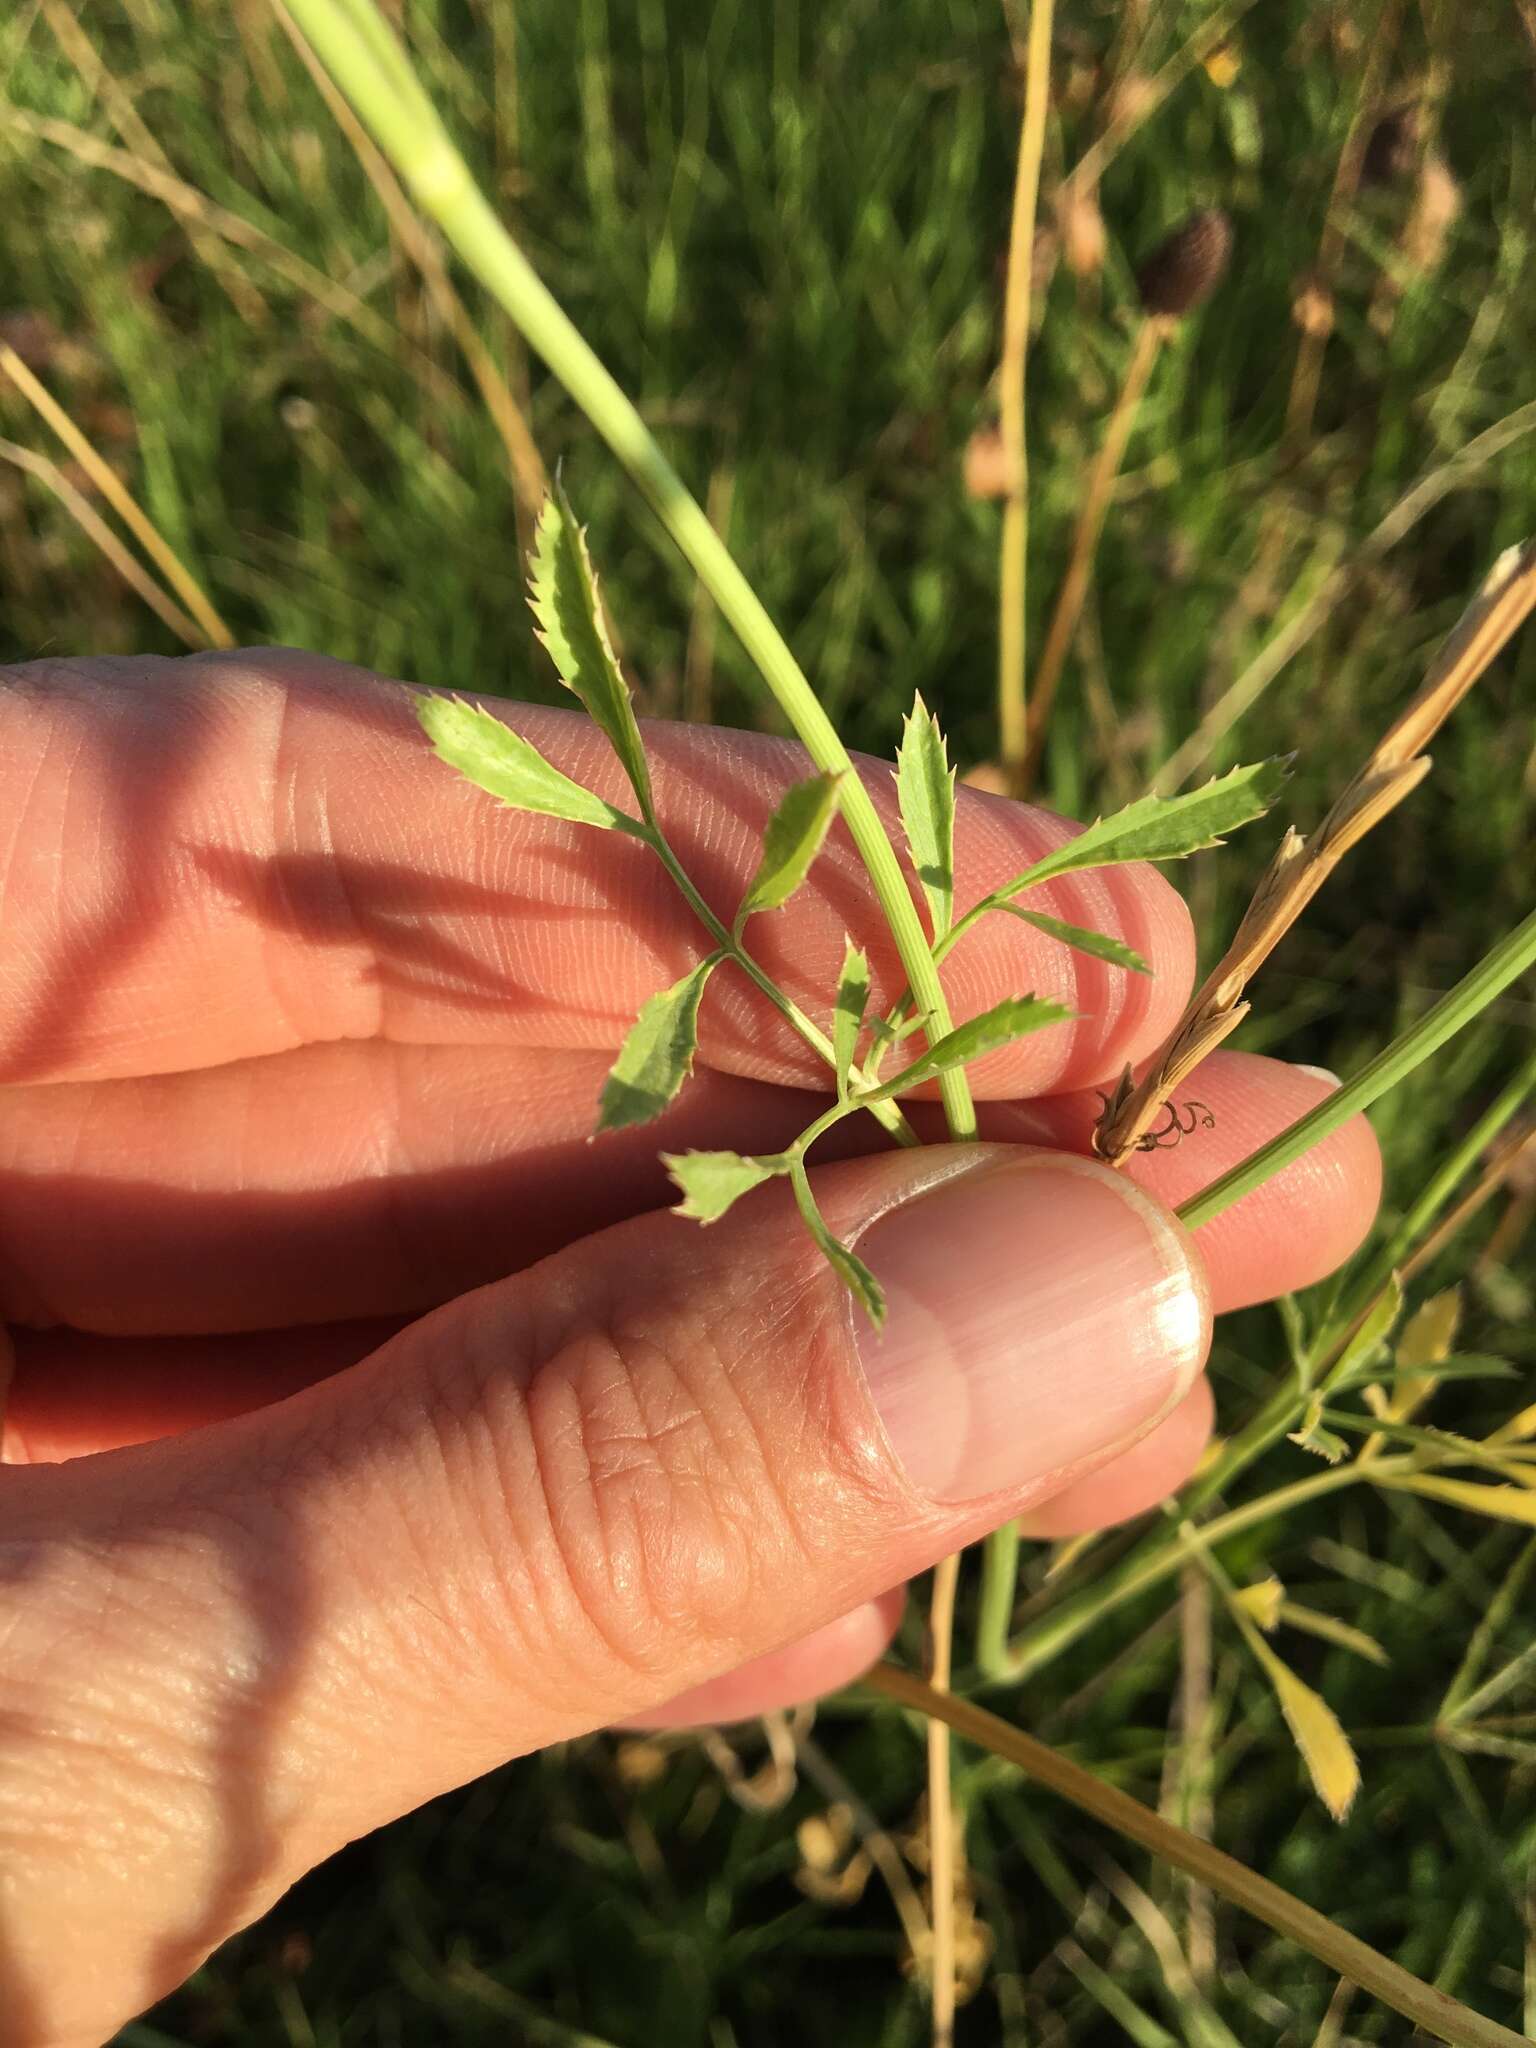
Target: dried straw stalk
x=1301 y=866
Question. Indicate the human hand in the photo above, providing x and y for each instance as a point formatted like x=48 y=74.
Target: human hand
x=301 y=1041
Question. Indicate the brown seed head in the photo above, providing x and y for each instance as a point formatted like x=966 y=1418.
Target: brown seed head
x=1312 y=306
x=1183 y=270
x=1393 y=148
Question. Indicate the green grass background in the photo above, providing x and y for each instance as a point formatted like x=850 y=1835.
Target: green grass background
x=782 y=223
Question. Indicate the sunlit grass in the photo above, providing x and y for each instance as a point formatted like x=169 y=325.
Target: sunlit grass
x=781 y=226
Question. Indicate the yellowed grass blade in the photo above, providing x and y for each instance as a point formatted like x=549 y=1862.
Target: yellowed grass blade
x=120 y=498
x=96 y=529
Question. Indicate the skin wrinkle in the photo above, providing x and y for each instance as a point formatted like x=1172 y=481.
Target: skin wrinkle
x=287 y=771
x=738 y=1447
x=534 y=1625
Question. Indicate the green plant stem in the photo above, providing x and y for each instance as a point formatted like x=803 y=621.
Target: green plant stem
x=1014 y=550
x=888 y=1114
x=999 y=1589
x=368 y=64
x=1375 y=1973
x=1421 y=1213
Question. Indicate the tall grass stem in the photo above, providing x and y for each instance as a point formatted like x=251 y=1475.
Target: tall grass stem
x=364 y=58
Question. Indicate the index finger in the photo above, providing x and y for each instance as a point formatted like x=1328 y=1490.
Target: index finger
x=226 y=856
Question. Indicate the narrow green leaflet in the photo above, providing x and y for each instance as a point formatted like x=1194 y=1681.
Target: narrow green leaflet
x=1312 y=1436
x=657 y=1056
x=1001 y=1025
x=712 y=1181
x=855 y=1276
x=925 y=791
x=1099 y=944
x=503 y=764
x=563 y=594
x=1367 y=1341
x=791 y=842
x=1163 y=827
x=1469 y=1365
x=848 y=1017
x=849 y=1268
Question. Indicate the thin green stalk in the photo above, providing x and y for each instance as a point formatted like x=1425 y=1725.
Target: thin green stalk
x=1159 y=1558
x=1421 y=1213
x=888 y=1114
x=1427 y=2007
x=999 y=1589
x=368 y=64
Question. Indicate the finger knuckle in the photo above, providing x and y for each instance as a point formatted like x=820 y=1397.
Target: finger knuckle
x=658 y=1489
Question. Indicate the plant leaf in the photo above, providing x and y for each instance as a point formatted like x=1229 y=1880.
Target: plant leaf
x=657 y=1056
x=1099 y=944
x=1261 y=1602
x=791 y=842
x=505 y=765
x=859 y=1280
x=1163 y=827
x=1362 y=1348
x=1325 y=1748
x=925 y=791
x=1429 y=1332
x=849 y=1268
x=848 y=1016
x=1311 y=1621
x=1465 y=1365
x=712 y=1181
x=1312 y=1436
x=566 y=606
x=1001 y=1025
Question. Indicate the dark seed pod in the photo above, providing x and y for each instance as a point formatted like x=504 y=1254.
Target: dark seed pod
x=1183 y=271
x=1393 y=148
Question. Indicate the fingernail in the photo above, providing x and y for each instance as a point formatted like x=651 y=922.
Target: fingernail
x=1320 y=1074
x=1041 y=1314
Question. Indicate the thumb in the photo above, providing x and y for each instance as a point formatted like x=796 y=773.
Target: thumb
x=548 y=1506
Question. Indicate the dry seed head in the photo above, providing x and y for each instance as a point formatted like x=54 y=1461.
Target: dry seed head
x=1185 y=268
x=1080 y=225
x=1393 y=148
x=1435 y=207
x=988 y=471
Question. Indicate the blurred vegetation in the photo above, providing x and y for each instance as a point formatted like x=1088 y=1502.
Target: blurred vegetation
x=782 y=226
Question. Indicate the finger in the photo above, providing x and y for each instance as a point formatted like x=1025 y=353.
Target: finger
x=1295 y=1229
x=824 y=1661
x=548 y=1507
x=75 y=1394
x=364 y=1180
x=230 y=855
x=1137 y=1480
